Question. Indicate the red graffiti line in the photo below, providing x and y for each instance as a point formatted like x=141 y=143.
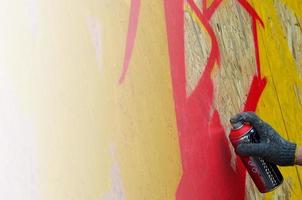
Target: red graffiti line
x=258 y=83
x=212 y=8
x=214 y=54
x=205 y=152
x=204 y=5
x=132 y=28
x=204 y=148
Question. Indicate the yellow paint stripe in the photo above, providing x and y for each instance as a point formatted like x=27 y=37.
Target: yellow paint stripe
x=295 y=6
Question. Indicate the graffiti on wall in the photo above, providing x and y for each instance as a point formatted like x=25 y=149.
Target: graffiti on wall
x=203 y=144
x=204 y=148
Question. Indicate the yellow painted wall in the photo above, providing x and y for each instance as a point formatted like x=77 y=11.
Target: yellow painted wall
x=92 y=138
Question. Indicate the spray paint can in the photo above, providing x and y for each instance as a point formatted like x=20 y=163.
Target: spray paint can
x=266 y=176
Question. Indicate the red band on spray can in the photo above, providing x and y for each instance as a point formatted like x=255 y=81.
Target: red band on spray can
x=266 y=176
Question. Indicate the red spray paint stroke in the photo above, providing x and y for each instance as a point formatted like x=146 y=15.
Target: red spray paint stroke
x=254 y=94
x=212 y=8
x=205 y=152
x=204 y=6
x=204 y=148
x=132 y=27
x=258 y=83
x=214 y=56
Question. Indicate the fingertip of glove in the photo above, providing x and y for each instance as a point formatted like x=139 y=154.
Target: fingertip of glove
x=240 y=149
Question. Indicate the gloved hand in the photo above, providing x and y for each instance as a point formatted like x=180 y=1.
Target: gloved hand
x=272 y=147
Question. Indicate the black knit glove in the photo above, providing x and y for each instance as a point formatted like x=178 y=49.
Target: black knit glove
x=272 y=147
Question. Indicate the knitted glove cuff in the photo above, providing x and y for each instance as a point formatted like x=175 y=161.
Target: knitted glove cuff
x=288 y=154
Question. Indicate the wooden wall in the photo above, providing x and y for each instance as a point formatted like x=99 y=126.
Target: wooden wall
x=131 y=99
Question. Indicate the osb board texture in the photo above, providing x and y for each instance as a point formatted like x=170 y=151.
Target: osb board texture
x=280 y=57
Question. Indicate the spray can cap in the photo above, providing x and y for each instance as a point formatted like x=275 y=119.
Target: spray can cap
x=236 y=125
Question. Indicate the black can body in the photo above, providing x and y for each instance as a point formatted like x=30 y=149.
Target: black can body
x=265 y=175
